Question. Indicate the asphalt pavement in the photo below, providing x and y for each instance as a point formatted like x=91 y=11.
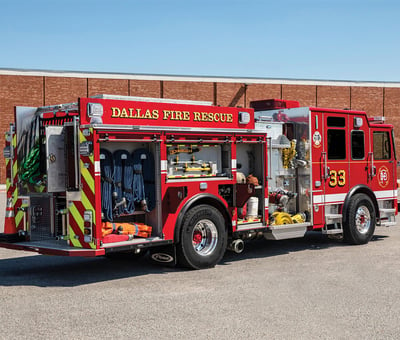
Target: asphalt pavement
x=308 y=288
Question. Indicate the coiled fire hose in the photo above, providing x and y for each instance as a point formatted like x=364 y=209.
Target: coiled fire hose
x=106 y=167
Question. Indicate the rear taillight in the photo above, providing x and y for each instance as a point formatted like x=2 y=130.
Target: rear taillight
x=88 y=225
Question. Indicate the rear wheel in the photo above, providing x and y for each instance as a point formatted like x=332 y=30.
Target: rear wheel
x=361 y=220
x=203 y=238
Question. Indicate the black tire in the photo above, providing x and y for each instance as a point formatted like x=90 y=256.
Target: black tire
x=203 y=238
x=361 y=220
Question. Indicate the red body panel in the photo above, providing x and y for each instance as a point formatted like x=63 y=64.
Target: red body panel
x=166 y=114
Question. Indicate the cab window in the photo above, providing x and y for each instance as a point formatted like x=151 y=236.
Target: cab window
x=357 y=145
x=336 y=144
x=382 y=149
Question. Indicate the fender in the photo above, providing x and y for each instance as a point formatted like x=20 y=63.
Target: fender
x=361 y=188
x=203 y=198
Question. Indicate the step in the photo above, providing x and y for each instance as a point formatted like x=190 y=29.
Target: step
x=387 y=223
x=332 y=218
x=387 y=212
x=332 y=231
x=286 y=231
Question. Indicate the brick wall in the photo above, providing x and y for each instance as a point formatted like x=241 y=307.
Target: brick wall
x=337 y=97
x=59 y=90
x=368 y=99
x=263 y=91
x=188 y=91
x=227 y=93
x=108 y=86
x=49 y=90
x=306 y=95
x=391 y=110
x=144 y=88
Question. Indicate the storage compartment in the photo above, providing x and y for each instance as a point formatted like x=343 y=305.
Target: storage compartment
x=195 y=160
x=129 y=195
x=289 y=174
x=43 y=216
x=250 y=196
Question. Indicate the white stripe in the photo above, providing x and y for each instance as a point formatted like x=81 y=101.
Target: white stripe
x=164 y=166
x=233 y=164
x=386 y=194
x=337 y=198
x=97 y=167
x=331 y=198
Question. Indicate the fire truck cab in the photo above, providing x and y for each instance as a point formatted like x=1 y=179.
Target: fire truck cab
x=187 y=180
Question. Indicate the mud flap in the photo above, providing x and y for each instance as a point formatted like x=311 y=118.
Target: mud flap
x=164 y=255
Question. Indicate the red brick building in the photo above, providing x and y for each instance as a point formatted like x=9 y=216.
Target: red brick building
x=38 y=88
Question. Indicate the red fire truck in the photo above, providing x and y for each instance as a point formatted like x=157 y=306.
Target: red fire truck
x=187 y=180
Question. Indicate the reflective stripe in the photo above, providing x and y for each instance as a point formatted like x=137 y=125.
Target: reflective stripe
x=86 y=203
x=19 y=215
x=88 y=177
x=77 y=208
x=339 y=198
x=9 y=213
x=73 y=241
x=74 y=213
x=389 y=194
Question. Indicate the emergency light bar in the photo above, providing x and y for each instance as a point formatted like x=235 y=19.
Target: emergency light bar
x=379 y=119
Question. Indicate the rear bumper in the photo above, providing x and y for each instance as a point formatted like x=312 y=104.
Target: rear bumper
x=52 y=248
x=11 y=238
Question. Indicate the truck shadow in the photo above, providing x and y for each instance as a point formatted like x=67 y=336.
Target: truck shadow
x=54 y=271
x=266 y=248
x=58 y=271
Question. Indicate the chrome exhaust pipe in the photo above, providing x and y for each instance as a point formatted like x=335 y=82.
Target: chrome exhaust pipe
x=236 y=245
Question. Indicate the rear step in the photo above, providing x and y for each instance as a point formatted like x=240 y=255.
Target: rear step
x=53 y=247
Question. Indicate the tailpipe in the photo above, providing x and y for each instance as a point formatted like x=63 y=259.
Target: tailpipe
x=236 y=245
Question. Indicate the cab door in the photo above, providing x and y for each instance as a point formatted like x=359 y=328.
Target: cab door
x=336 y=170
x=360 y=157
x=382 y=174
x=330 y=166
x=319 y=170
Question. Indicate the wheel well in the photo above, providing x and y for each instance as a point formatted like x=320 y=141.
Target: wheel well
x=198 y=200
x=361 y=189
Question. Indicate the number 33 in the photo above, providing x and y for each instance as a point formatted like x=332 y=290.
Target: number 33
x=337 y=178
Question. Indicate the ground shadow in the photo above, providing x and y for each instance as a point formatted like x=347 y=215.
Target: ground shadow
x=57 y=271
x=313 y=240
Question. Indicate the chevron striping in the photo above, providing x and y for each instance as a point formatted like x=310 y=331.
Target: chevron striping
x=74 y=222
x=88 y=177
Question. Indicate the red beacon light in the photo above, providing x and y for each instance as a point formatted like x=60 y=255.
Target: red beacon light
x=273 y=104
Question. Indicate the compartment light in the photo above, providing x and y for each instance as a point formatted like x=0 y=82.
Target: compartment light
x=244 y=117
x=95 y=112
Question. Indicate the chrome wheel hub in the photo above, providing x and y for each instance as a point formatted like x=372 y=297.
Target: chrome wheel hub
x=363 y=219
x=204 y=237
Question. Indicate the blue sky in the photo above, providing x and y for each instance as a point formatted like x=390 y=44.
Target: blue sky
x=304 y=39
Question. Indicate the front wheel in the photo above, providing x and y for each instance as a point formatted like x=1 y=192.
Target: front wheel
x=361 y=220
x=203 y=238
